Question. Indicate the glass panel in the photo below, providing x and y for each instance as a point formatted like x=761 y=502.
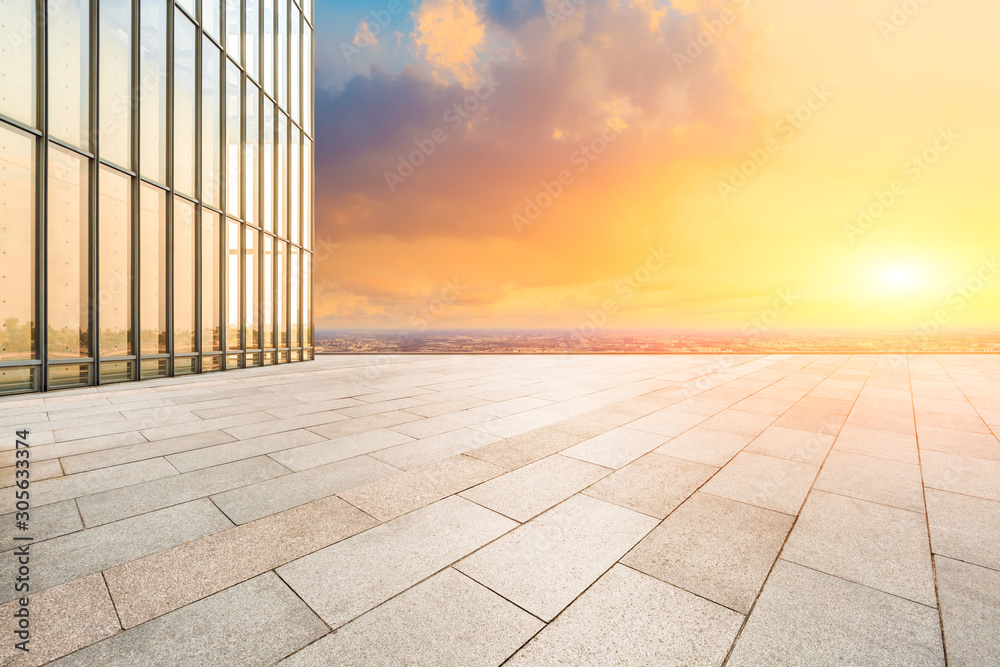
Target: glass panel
x=281 y=74
x=152 y=270
x=69 y=79
x=296 y=355
x=307 y=73
x=73 y=375
x=184 y=104
x=268 y=358
x=279 y=293
x=211 y=124
x=17 y=244
x=185 y=365
x=233 y=286
x=293 y=297
x=188 y=5
x=253 y=359
x=211 y=11
x=251 y=152
x=18 y=35
x=18 y=380
x=233 y=29
x=307 y=9
x=281 y=188
x=251 y=31
x=267 y=166
x=68 y=255
x=233 y=98
x=282 y=357
x=116 y=82
x=153 y=90
x=184 y=271
x=252 y=289
x=211 y=281
x=268 y=292
x=307 y=337
x=116 y=371
x=114 y=281
x=153 y=368
x=209 y=364
x=234 y=361
x=294 y=60
x=267 y=42
x=294 y=193
x=307 y=194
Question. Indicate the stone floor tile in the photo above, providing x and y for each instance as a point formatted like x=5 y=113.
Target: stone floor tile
x=964 y=527
x=959 y=443
x=616 y=448
x=362 y=424
x=426 y=428
x=144 y=450
x=882 y=547
x=595 y=423
x=765 y=481
x=46 y=522
x=82 y=484
x=805 y=618
x=877 y=443
x=529 y=491
x=446 y=620
x=793 y=444
x=39 y=470
x=960 y=474
x=970 y=612
x=546 y=563
x=668 y=422
x=257 y=622
x=628 y=618
x=717 y=548
x=345 y=580
x=239 y=450
x=653 y=485
x=868 y=478
x=705 y=445
x=806 y=419
x=416 y=453
x=520 y=450
x=338 y=449
x=390 y=497
x=739 y=421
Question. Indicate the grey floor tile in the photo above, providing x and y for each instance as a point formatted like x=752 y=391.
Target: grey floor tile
x=526 y=448
x=228 y=452
x=255 y=623
x=964 y=527
x=705 y=445
x=137 y=499
x=85 y=483
x=806 y=618
x=970 y=612
x=529 y=491
x=959 y=443
x=787 y=443
x=739 y=421
x=446 y=620
x=39 y=470
x=63 y=619
x=959 y=474
x=452 y=421
x=144 y=450
x=416 y=453
x=765 y=481
x=654 y=484
x=628 y=618
x=338 y=449
x=44 y=522
x=616 y=448
x=390 y=497
x=668 y=422
x=880 y=444
x=343 y=581
x=882 y=547
x=362 y=424
x=261 y=499
x=161 y=582
x=594 y=423
x=546 y=563
x=717 y=548
x=878 y=480
x=82 y=553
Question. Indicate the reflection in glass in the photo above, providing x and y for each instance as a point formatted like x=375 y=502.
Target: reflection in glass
x=281 y=188
x=294 y=59
x=295 y=167
x=153 y=89
x=211 y=124
x=233 y=77
x=307 y=229
x=267 y=166
x=184 y=104
x=17 y=61
x=307 y=101
x=114 y=277
x=279 y=293
x=69 y=80
x=116 y=81
x=233 y=29
x=251 y=151
x=152 y=270
x=307 y=299
x=267 y=42
x=295 y=270
x=233 y=286
x=68 y=255
x=17 y=249
x=268 y=291
x=211 y=281
x=184 y=272
x=251 y=36
x=211 y=17
x=252 y=289
x=281 y=70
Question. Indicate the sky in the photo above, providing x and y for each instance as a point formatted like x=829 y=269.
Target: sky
x=691 y=165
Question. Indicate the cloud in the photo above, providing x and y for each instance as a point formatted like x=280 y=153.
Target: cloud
x=513 y=13
x=364 y=37
x=447 y=33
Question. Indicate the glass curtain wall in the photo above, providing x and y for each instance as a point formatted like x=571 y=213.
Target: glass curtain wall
x=155 y=188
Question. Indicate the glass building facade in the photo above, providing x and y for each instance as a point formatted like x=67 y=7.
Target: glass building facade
x=155 y=188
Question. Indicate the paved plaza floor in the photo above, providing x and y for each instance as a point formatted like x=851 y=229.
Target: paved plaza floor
x=712 y=510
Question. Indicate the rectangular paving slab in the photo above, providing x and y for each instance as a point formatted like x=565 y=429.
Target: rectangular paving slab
x=773 y=483
x=616 y=448
x=654 y=484
x=970 y=611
